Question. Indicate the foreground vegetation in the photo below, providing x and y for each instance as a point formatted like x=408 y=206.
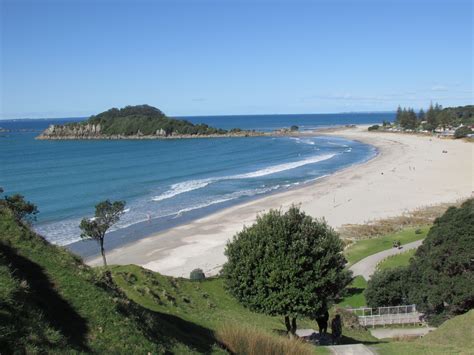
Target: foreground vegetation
x=50 y=302
x=439 y=276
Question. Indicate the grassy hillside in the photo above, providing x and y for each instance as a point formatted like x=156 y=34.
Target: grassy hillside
x=51 y=302
x=454 y=336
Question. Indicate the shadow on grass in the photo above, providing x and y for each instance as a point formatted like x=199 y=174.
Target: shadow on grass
x=43 y=297
x=161 y=328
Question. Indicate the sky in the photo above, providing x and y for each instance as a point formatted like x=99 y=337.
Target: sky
x=76 y=58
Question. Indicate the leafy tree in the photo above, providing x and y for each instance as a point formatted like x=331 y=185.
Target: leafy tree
x=286 y=264
x=462 y=132
x=440 y=276
x=442 y=270
x=22 y=210
x=106 y=214
x=388 y=288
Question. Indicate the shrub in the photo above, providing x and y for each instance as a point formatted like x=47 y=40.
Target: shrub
x=294 y=128
x=462 y=132
x=197 y=274
x=374 y=127
x=251 y=341
x=388 y=288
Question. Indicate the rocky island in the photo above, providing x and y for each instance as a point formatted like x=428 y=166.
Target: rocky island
x=137 y=122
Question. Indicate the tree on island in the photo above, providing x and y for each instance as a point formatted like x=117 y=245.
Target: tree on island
x=106 y=214
x=286 y=264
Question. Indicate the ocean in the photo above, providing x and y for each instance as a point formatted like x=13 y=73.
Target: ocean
x=166 y=182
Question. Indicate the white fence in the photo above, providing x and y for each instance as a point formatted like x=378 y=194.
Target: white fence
x=387 y=315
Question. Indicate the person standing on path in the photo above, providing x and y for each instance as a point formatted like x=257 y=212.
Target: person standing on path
x=336 y=327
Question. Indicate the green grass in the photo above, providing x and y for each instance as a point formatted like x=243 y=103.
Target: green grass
x=455 y=336
x=52 y=303
x=393 y=261
x=367 y=247
x=204 y=303
x=355 y=294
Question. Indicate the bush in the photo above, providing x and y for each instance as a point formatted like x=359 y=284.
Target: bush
x=251 y=341
x=388 y=288
x=462 y=132
x=374 y=127
x=294 y=128
x=197 y=274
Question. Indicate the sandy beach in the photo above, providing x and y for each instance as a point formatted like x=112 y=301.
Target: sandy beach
x=409 y=172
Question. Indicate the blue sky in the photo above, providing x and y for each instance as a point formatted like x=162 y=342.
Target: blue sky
x=76 y=58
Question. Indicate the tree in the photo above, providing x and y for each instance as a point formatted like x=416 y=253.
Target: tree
x=442 y=269
x=286 y=264
x=106 y=214
x=388 y=288
x=22 y=210
x=462 y=132
x=431 y=119
x=398 y=116
x=445 y=118
x=440 y=275
x=421 y=115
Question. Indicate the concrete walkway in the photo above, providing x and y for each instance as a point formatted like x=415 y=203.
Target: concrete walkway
x=352 y=349
x=366 y=267
x=383 y=333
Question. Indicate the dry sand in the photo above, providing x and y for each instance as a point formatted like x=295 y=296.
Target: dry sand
x=410 y=172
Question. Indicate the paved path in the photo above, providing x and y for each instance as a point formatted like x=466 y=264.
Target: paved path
x=383 y=333
x=366 y=267
x=352 y=349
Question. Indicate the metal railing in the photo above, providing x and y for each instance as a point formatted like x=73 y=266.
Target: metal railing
x=406 y=314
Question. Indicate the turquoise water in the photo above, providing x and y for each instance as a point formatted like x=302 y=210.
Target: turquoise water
x=167 y=182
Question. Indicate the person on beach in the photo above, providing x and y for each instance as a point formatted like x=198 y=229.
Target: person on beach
x=336 y=327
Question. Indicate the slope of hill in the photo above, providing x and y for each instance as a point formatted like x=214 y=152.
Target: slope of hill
x=455 y=336
x=51 y=302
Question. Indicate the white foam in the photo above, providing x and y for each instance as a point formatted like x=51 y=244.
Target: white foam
x=190 y=185
x=182 y=187
x=283 y=167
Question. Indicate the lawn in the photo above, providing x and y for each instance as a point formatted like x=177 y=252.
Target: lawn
x=366 y=247
x=393 y=261
x=355 y=294
x=452 y=337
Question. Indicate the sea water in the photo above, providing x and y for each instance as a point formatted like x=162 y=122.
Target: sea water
x=166 y=182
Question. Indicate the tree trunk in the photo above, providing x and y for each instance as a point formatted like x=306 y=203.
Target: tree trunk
x=102 y=251
x=293 y=325
x=290 y=327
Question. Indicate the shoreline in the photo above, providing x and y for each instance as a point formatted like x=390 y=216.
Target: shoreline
x=355 y=194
